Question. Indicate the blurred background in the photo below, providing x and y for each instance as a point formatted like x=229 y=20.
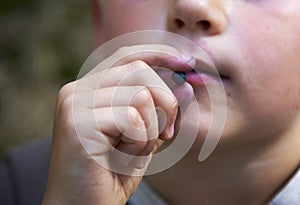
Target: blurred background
x=43 y=44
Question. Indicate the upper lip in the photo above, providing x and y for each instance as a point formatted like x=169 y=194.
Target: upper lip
x=207 y=63
x=209 y=68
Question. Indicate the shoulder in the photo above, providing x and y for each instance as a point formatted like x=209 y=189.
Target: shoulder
x=24 y=171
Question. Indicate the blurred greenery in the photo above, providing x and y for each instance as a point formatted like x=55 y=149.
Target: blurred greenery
x=42 y=46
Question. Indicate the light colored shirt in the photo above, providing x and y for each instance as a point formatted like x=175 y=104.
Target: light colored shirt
x=288 y=195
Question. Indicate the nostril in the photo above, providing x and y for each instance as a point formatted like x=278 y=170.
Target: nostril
x=204 y=24
x=179 y=23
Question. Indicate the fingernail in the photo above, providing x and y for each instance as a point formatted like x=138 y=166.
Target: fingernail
x=188 y=59
x=171 y=131
x=142 y=161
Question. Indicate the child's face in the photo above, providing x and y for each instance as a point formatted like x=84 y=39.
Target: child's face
x=255 y=42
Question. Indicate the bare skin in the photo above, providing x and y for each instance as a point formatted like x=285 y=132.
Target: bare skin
x=251 y=42
x=70 y=161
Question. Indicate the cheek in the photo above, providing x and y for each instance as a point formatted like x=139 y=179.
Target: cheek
x=123 y=17
x=271 y=72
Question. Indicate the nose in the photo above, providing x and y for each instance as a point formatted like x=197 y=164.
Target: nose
x=198 y=16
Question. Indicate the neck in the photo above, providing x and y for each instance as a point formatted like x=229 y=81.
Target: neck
x=251 y=175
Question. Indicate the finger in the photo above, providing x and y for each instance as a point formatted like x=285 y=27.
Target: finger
x=156 y=56
x=153 y=54
x=183 y=93
x=138 y=97
x=139 y=73
x=125 y=129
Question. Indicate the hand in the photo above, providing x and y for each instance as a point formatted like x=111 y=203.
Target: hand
x=96 y=125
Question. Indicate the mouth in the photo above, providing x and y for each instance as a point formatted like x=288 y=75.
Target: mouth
x=205 y=72
x=199 y=77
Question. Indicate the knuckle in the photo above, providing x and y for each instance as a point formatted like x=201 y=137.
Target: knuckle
x=173 y=102
x=173 y=105
x=139 y=64
x=142 y=143
x=122 y=51
x=149 y=147
x=142 y=97
x=68 y=125
x=65 y=117
x=65 y=91
x=64 y=110
x=66 y=103
x=135 y=118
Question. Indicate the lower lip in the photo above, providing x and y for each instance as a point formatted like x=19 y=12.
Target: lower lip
x=185 y=92
x=196 y=78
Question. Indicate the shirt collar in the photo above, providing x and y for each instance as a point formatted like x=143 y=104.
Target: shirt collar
x=289 y=194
